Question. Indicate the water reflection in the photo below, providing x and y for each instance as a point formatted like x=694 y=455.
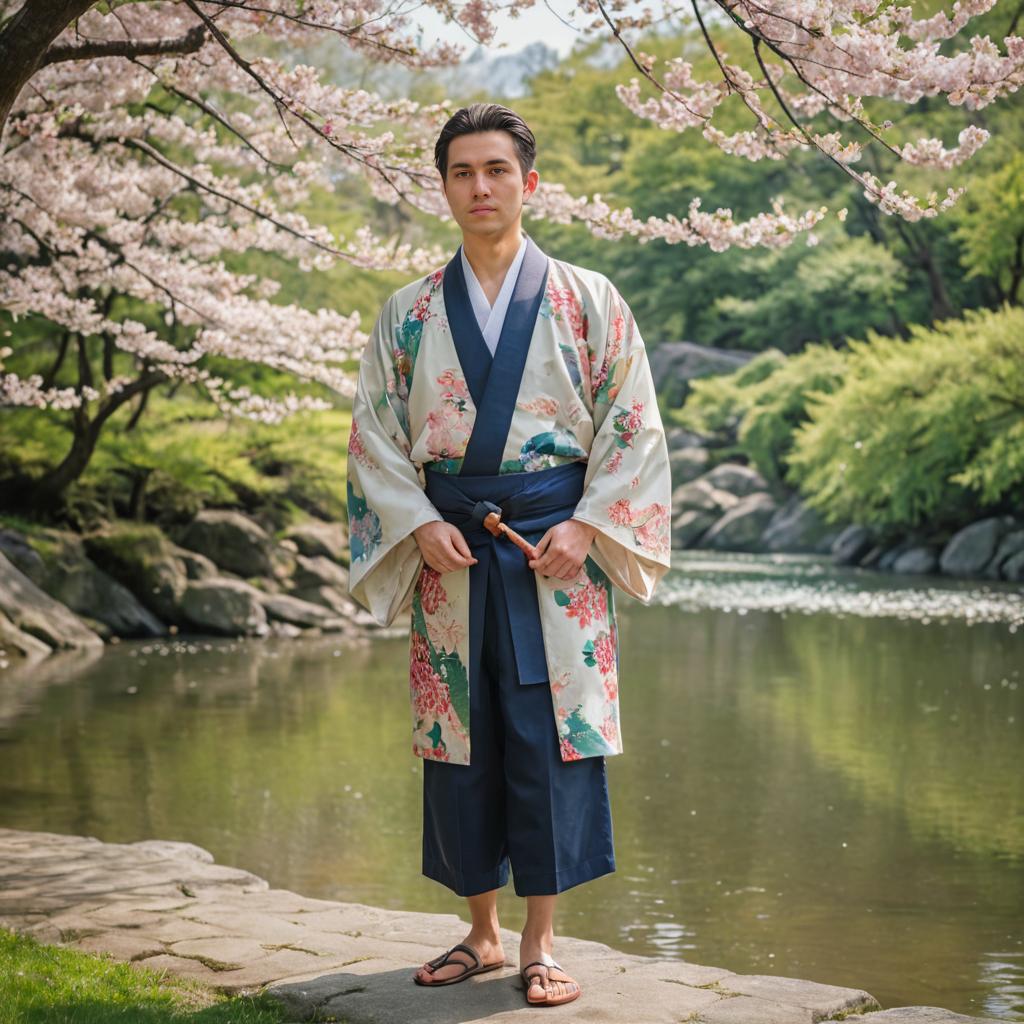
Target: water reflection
x=835 y=797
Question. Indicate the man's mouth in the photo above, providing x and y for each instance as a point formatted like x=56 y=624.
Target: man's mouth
x=482 y=209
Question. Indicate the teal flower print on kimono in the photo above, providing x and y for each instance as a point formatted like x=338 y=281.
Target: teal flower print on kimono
x=542 y=451
x=364 y=526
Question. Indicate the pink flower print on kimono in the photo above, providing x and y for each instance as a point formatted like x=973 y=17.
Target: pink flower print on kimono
x=649 y=525
x=357 y=449
x=607 y=378
x=586 y=670
x=448 y=427
x=626 y=423
x=438 y=678
x=564 y=307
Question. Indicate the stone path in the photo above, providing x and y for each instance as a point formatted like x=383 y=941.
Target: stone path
x=168 y=905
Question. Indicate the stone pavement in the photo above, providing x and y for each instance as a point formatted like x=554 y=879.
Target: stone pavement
x=168 y=905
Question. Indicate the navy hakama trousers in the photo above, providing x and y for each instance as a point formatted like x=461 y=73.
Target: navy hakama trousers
x=517 y=801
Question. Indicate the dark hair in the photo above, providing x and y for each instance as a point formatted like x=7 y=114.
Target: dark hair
x=486 y=117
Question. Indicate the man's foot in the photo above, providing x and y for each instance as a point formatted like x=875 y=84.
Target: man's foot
x=488 y=948
x=547 y=984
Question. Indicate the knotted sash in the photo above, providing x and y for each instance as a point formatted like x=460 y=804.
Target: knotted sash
x=530 y=503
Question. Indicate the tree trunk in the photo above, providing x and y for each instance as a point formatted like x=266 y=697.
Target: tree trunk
x=24 y=40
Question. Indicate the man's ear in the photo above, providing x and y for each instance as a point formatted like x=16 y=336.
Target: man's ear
x=530 y=185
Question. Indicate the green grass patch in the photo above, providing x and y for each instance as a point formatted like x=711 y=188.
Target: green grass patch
x=42 y=984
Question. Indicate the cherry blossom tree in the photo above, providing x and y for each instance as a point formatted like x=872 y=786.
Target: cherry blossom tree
x=142 y=143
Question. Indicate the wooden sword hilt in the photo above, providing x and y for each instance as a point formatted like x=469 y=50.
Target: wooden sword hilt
x=494 y=525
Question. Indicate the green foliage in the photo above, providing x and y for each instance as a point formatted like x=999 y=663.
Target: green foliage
x=923 y=430
x=186 y=456
x=50 y=985
x=990 y=221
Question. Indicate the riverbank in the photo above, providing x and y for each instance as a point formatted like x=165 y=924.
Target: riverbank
x=168 y=905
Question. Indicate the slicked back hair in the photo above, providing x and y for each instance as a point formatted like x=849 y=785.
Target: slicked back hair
x=486 y=117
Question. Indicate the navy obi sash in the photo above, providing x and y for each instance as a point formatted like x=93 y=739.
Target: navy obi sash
x=530 y=504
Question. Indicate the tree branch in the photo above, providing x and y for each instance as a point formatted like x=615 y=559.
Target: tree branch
x=191 y=41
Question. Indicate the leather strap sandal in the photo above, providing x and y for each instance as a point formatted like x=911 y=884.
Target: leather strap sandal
x=477 y=967
x=549 y=1000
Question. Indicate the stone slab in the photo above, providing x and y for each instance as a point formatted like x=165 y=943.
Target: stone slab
x=167 y=905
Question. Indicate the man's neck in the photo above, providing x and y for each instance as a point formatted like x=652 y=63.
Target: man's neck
x=490 y=256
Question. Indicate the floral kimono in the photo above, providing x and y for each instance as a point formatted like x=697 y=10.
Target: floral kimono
x=562 y=421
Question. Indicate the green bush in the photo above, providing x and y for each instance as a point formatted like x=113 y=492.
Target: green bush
x=930 y=429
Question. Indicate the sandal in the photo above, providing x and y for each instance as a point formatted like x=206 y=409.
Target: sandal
x=549 y=1000
x=478 y=966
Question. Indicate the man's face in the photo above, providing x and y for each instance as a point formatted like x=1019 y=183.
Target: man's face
x=484 y=185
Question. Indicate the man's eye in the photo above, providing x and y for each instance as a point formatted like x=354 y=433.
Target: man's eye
x=498 y=170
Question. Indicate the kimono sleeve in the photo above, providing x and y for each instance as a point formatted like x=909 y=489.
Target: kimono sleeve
x=628 y=486
x=386 y=500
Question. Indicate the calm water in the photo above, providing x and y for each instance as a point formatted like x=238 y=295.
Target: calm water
x=822 y=777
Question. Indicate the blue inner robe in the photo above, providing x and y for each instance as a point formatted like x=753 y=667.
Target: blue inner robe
x=530 y=502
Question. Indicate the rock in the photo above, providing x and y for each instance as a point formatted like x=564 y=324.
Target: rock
x=1008 y=546
x=702 y=496
x=316 y=537
x=141 y=558
x=680 y=437
x=22 y=555
x=329 y=597
x=1013 y=568
x=969 y=550
x=852 y=544
x=921 y=558
x=874 y=553
x=741 y=527
x=197 y=566
x=16 y=643
x=71 y=577
x=675 y=363
x=890 y=554
x=233 y=541
x=33 y=611
x=288 y=608
x=735 y=478
x=687 y=463
x=798 y=527
x=231 y=607
x=320 y=572
x=689 y=525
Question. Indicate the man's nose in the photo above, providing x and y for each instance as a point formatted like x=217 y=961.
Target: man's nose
x=481 y=186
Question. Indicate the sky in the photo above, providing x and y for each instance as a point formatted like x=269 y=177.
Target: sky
x=544 y=22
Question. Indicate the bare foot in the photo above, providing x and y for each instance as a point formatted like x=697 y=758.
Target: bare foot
x=544 y=982
x=488 y=948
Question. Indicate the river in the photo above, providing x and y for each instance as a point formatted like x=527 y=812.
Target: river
x=822 y=774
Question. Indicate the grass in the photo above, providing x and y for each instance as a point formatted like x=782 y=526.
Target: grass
x=42 y=984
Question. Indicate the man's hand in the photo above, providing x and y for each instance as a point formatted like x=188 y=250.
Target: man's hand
x=443 y=547
x=562 y=551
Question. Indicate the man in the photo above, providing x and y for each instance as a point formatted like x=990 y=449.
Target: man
x=507 y=389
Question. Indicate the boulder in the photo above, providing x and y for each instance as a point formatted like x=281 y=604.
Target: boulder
x=689 y=525
x=316 y=537
x=852 y=544
x=798 y=527
x=680 y=437
x=22 y=555
x=31 y=610
x=1011 y=543
x=319 y=571
x=141 y=558
x=675 y=363
x=891 y=553
x=921 y=558
x=687 y=463
x=702 y=496
x=233 y=541
x=197 y=566
x=288 y=608
x=1013 y=568
x=969 y=550
x=16 y=643
x=740 y=529
x=735 y=478
x=70 y=576
x=222 y=605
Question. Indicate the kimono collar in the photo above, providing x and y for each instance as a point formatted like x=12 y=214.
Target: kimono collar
x=490 y=318
x=493 y=381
